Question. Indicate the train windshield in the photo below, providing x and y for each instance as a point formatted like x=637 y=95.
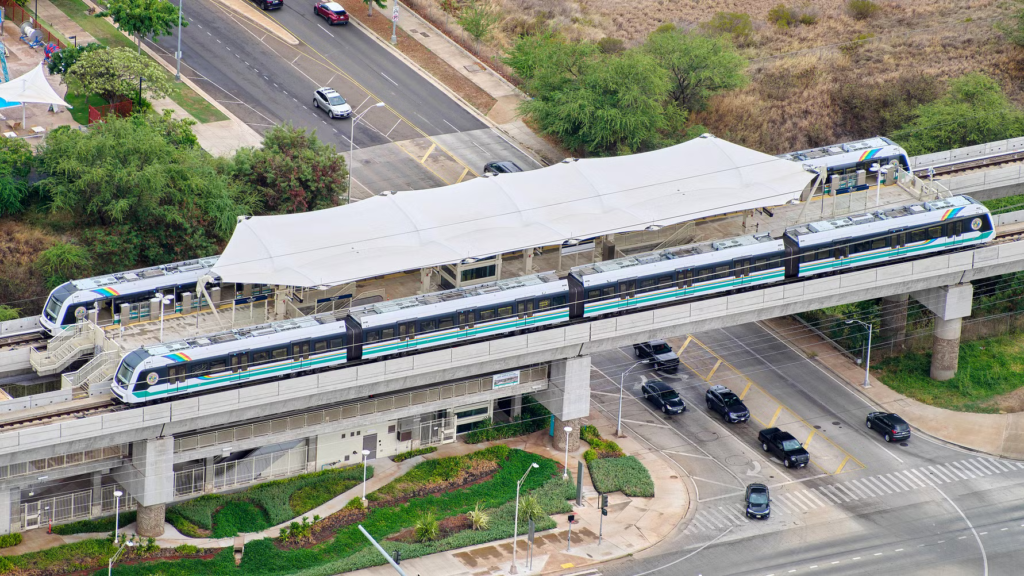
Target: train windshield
x=124 y=372
x=56 y=300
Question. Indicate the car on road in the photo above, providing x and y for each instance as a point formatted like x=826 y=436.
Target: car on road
x=783 y=446
x=501 y=167
x=270 y=4
x=659 y=354
x=728 y=405
x=332 y=102
x=758 y=501
x=332 y=12
x=890 y=426
x=663 y=396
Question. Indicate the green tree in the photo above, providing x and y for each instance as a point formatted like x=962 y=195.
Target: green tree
x=292 y=172
x=974 y=111
x=143 y=17
x=8 y=313
x=1013 y=27
x=478 y=18
x=382 y=4
x=699 y=66
x=15 y=166
x=737 y=25
x=135 y=172
x=115 y=75
x=62 y=262
x=65 y=58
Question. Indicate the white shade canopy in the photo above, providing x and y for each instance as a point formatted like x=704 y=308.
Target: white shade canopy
x=31 y=88
x=486 y=216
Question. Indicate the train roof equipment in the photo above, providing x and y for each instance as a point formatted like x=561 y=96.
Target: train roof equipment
x=849 y=153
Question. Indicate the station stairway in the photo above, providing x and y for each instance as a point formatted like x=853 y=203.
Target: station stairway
x=95 y=376
x=73 y=343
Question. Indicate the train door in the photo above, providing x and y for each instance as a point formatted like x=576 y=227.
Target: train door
x=741 y=269
x=300 y=354
x=467 y=321
x=898 y=239
x=955 y=232
x=407 y=335
x=524 y=311
x=239 y=363
x=627 y=292
x=840 y=253
x=684 y=280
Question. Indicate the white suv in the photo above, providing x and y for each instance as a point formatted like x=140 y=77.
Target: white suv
x=329 y=100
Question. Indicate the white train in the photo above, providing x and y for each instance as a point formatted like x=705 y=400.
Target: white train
x=843 y=161
x=409 y=325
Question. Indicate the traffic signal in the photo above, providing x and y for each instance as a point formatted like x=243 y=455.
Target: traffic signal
x=398 y=556
x=604 y=501
x=572 y=518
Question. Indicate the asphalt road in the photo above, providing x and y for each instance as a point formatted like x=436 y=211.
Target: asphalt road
x=923 y=508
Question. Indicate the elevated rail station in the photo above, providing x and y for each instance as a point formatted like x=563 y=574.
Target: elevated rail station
x=65 y=447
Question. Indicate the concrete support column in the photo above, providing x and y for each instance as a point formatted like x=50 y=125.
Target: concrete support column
x=209 y=473
x=7 y=498
x=149 y=478
x=425 y=274
x=149 y=521
x=894 y=321
x=517 y=405
x=558 y=440
x=97 y=493
x=311 y=453
x=281 y=295
x=568 y=392
x=950 y=304
x=946 y=348
x=528 y=261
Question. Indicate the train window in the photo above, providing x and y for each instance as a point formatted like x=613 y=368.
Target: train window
x=954 y=229
x=879 y=243
x=558 y=301
x=919 y=235
x=406 y=330
x=504 y=311
x=372 y=336
x=236 y=363
x=486 y=315
x=176 y=374
x=859 y=247
x=279 y=353
x=198 y=369
x=217 y=366
x=446 y=323
x=760 y=264
x=321 y=345
x=935 y=232
x=807 y=257
x=721 y=271
x=663 y=282
x=260 y=357
x=543 y=304
x=593 y=294
x=608 y=291
x=387 y=333
x=646 y=285
x=684 y=278
x=703 y=275
x=335 y=344
x=428 y=325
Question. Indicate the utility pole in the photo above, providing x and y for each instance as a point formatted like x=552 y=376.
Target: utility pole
x=177 y=55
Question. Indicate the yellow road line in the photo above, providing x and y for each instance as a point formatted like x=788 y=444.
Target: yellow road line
x=712 y=373
x=429 y=169
x=840 y=469
x=464 y=172
x=685 y=344
x=745 y=390
x=429 y=150
x=775 y=416
x=809 y=436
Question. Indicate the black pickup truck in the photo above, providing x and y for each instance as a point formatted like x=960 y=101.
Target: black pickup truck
x=783 y=446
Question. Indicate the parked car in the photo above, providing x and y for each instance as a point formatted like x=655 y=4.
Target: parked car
x=722 y=400
x=332 y=12
x=329 y=100
x=890 y=426
x=659 y=354
x=758 y=501
x=501 y=167
x=663 y=397
x=270 y=4
x=783 y=446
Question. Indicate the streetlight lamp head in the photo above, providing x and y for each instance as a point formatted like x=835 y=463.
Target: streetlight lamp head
x=118 y=493
x=366 y=452
x=535 y=465
x=567 y=429
x=378 y=104
x=849 y=321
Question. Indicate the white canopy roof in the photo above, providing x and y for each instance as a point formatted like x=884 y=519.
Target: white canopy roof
x=31 y=88
x=486 y=216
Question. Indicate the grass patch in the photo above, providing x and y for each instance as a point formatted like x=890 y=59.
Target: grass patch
x=1007 y=204
x=237 y=517
x=107 y=34
x=79 y=554
x=105 y=524
x=273 y=498
x=987 y=368
x=80 y=110
x=534 y=417
x=624 y=474
x=599 y=447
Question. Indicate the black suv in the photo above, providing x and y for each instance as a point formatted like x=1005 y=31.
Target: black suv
x=501 y=167
x=659 y=354
x=663 y=396
x=758 y=501
x=722 y=400
x=890 y=426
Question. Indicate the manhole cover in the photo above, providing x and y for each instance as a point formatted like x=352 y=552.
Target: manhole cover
x=474 y=68
x=903 y=444
x=674 y=477
x=836 y=423
x=706 y=436
x=424 y=34
x=414 y=31
x=816 y=427
x=737 y=460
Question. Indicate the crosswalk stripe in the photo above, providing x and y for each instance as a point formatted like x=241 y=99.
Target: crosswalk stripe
x=998 y=464
x=878 y=486
x=860 y=485
x=802 y=496
x=847 y=490
x=710 y=520
x=862 y=491
x=900 y=482
x=973 y=467
x=885 y=481
x=718 y=520
x=955 y=475
x=841 y=495
x=925 y=477
x=988 y=465
x=913 y=479
x=942 y=474
x=698 y=520
x=815 y=498
x=792 y=499
x=821 y=490
x=958 y=468
x=742 y=516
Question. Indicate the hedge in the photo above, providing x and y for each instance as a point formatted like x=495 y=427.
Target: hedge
x=104 y=524
x=413 y=453
x=599 y=447
x=534 y=417
x=624 y=474
x=8 y=540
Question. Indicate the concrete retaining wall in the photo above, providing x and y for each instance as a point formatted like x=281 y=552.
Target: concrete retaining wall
x=18 y=325
x=15 y=361
x=960 y=154
x=26 y=402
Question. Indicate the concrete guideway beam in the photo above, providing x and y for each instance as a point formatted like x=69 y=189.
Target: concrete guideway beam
x=950 y=304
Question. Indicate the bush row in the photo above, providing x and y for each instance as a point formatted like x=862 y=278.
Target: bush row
x=624 y=474
x=104 y=524
x=8 y=540
x=413 y=453
x=534 y=417
x=599 y=447
x=436 y=470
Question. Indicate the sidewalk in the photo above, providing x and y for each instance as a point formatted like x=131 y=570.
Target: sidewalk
x=1000 y=435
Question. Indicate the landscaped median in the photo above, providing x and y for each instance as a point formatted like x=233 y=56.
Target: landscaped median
x=611 y=470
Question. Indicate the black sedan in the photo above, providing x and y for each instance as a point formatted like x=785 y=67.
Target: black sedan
x=663 y=397
x=758 y=501
x=890 y=426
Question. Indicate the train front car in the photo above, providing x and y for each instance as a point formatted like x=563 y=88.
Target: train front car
x=848 y=165
x=236 y=357
x=897 y=233
x=59 y=310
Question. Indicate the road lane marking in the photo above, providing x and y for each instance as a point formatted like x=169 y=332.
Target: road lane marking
x=463 y=175
x=712 y=373
x=395 y=83
x=811 y=435
x=775 y=417
x=746 y=389
x=429 y=150
x=326 y=30
x=450 y=124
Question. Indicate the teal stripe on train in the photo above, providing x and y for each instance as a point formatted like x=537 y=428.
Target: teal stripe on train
x=655 y=298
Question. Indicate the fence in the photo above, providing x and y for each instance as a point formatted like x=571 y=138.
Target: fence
x=69 y=507
x=43 y=464
x=121 y=109
x=242 y=472
x=19 y=15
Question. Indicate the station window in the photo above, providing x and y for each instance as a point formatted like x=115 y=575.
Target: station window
x=478 y=273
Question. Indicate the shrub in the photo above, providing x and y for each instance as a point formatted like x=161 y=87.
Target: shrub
x=413 y=453
x=808 y=18
x=735 y=24
x=297 y=531
x=62 y=262
x=496 y=453
x=186 y=549
x=783 y=16
x=624 y=474
x=105 y=524
x=589 y=455
x=8 y=540
x=609 y=45
x=479 y=518
x=8 y=313
x=588 y=433
x=534 y=417
x=449 y=468
x=427 y=527
x=861 y=9
x=355 y=504
x=530 y=508
x=237 y=517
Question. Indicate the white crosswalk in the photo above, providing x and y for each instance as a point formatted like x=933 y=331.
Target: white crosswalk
x=717 y=516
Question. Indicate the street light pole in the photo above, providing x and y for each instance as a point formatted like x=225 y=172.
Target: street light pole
x=351 y=144
x=867 y=354
x=881 y=171
x=75 y=39
x=365 y=454
x=177 y=55
x=163 y=301
x=515 y=525
x=117 y=511
x=565 y=475
x=622 y=383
